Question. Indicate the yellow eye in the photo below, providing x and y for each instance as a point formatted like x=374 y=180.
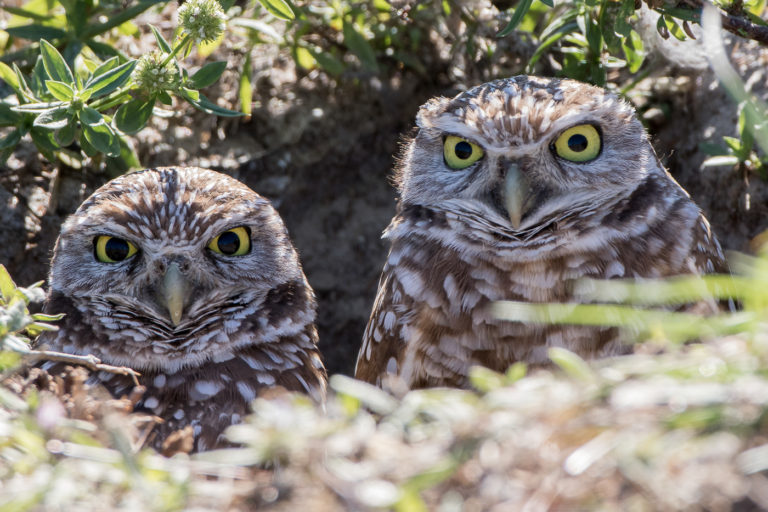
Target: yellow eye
x=233 y=242
x=579 y=144
x=110 y=249
x=460 y=153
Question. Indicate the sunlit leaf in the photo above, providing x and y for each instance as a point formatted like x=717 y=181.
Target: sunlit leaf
x=278 y=8
x=60 y=90
x=54 y=118
x=208 y=74
x=54 y=63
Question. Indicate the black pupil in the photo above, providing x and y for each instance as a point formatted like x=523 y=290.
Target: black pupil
x=116 y=249
x=229 y=242
x=463 y=150
x=577 y=143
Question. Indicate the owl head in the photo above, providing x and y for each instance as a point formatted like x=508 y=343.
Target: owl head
x=166 y=266
x=524 y=151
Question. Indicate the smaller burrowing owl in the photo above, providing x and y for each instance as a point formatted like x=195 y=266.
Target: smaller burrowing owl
x=189 y=277
x=514 y=190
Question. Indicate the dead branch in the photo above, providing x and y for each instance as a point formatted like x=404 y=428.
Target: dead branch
x=90 y=361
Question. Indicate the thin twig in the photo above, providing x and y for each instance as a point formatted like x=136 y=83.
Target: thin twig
x=90 y=361
x=737 y=24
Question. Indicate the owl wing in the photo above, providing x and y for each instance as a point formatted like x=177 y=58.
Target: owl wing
x=706 y=252
x=383 y=340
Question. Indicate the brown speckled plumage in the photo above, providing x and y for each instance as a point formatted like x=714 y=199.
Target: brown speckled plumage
x=247 y=322
x=454 y=250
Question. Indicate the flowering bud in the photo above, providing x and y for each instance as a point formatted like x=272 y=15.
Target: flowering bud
x=204 y=20
x=150 y=74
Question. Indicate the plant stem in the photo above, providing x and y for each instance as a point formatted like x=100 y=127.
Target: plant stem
x=177 y=48
x=113 y=99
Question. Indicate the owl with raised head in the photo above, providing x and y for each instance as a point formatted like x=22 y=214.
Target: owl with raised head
x=514 y=190
x=188 y=277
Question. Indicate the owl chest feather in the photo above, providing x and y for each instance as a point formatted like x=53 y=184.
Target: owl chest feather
x=432 y=319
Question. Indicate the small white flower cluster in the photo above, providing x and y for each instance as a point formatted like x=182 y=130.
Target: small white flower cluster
x=204 y=20
x=150 y=74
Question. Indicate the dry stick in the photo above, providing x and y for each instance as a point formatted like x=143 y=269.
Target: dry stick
x=90 y=361
x=738 y=25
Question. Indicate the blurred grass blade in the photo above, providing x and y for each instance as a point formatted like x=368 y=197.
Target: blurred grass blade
x=246 y=87
x=755 y=110
x=663 y=292
x=571 y=364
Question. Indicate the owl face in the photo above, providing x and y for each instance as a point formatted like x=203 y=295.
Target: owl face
x=169 y=262
x=522 y=151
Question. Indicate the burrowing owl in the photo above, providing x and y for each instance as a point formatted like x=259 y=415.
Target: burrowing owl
x=189 y=277
x=514 y=190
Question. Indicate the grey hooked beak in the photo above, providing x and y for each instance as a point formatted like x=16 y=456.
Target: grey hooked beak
x=516 y=194
x=173 y=292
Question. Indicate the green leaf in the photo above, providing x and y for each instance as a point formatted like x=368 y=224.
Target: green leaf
x=54 y=118
x=7 y=286
x=10 y=139
x=24 y=13
x=632 y=46
x=164 y=98
x=66 y=135
x=121 y=17
x=45 y=142
x=7 y=116
x=35 y=328
x=8 y=76
x=673 y=28
x=190 y=93
x=517 y=17
x=208 y=74
x=334 y=66
x=105 y=51
x=98 y=132
x=161 y=42
x=54 y=63
x=127 y=160
x=207 y=106
x=60 y=90
x=257 y=26
x=360 y=46
x=101 y=85
x=134 y=115
x=36 y=31
x=279 y=9
x=36 y=108
x=110 y=63
x=87 y=147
